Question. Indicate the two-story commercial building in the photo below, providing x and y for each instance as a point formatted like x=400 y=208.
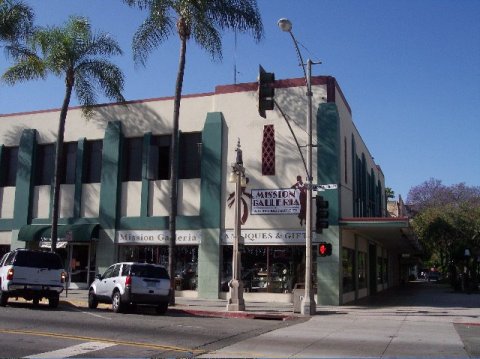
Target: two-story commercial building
x=114 y=202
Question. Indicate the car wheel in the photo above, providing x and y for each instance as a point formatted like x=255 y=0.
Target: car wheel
x=162 y=308
x=3 y=299
x=53 y=301
x=92 y=300
x=117 y=306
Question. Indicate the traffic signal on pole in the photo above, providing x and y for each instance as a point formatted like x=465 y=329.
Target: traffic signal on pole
x=321 y=221
x=324 y=249
x=266 y=91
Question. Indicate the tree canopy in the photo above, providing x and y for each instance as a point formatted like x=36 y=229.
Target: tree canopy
x=447 y=222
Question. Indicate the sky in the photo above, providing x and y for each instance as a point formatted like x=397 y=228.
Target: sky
x=410 y=71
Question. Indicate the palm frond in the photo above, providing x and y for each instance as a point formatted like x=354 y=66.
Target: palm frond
x=86 y=95
x=154 y=30
x=30 y=68
x=16 y=20
x=239 y=15
x=208 y=38
x=105 y=75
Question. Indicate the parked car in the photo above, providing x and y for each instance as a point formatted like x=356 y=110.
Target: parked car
x=128 y=284
x=32 y=275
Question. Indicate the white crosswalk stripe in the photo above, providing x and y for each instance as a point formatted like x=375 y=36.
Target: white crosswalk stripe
x=79 y=349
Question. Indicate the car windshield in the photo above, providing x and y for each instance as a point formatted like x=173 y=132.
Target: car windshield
x=38 y=260
x=148 y=271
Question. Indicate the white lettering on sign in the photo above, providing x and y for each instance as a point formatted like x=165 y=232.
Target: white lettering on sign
x=265 y=237
x=275 y=201
x=158 y=237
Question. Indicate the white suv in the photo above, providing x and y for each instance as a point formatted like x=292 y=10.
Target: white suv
x=130 y=283
x=32 y=275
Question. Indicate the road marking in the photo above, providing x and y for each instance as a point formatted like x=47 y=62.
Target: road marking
x=102 y=340
x=79 y=349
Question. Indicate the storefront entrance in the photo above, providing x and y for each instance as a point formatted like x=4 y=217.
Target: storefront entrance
x=81 y=269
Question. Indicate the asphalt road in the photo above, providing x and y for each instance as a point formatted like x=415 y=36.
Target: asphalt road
x=67 y=331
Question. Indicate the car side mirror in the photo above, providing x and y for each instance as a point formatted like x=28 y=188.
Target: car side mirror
x=98 y=276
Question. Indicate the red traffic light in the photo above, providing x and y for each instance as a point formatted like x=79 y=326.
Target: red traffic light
x=325 y=249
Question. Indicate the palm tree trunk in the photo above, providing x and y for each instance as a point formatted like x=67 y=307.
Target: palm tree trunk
x=174 y=154
x=58 y=161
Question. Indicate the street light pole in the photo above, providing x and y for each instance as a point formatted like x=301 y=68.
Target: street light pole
x=308 y=305
x=235 y=300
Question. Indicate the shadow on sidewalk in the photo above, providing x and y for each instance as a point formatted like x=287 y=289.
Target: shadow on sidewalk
x=420 y=294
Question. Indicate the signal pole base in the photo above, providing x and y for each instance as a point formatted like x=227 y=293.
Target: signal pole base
x=235 y=296
x=308 y=306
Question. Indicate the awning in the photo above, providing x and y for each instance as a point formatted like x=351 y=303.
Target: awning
x=67 y=233
x=392 y=232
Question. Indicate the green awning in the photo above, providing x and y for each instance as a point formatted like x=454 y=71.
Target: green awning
x=68 y=233
x=31 y=232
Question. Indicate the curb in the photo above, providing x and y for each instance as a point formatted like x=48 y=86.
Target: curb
x=204 y=313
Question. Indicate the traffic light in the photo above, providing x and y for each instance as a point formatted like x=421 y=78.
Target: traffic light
x=324 y=249
x=266 y=91
x=321 y=215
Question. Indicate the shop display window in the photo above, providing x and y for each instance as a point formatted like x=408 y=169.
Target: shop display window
x=272 y=269
x=348 y=265
x=362 y=270
x=186 y=261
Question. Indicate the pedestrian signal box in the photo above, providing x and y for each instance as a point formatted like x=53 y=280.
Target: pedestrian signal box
x=324 y=249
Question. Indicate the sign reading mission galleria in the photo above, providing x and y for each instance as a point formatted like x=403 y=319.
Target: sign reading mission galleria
x=275 y=201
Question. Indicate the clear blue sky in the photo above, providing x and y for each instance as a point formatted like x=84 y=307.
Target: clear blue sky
x=409 y=69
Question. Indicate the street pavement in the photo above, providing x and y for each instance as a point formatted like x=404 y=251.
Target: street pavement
x=420 y=320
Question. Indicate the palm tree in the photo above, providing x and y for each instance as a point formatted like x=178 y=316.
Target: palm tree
x=203 y=20
x=74 y=52
x=16 y=21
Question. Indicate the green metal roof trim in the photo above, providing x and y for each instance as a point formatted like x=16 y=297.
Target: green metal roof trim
x=78 y=232
x=374 y=222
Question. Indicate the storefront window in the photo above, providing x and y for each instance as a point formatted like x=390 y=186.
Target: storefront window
x=348 y=263
x=385 y=270
x=272 y=269
x=362 y=270
x=186 y=261
x=379 y=270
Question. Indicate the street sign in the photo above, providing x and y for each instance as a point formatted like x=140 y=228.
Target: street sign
x=323 y=187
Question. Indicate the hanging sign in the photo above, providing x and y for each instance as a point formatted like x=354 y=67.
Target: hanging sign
x=275 y=201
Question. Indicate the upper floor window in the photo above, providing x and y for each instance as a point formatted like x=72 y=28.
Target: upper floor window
x=44 y=164
x=159 y=158
x=69 y=162
x=132 y=159
x=9 y=165
x=93 y=161
x=189 y=164
x=268 y=150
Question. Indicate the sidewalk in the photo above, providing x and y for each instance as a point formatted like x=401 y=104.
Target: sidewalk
x=203 y=307
x=418 y=321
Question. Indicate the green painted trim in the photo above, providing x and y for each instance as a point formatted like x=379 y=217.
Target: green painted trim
x=79 y=168
x=6 y=224
x=22 y=211
x=110 y=189
x=147 y=138
x=160 y=223
x=65 y=221
x=211 y=206
x=329 y=156
x=211 y=170
x=374 y=224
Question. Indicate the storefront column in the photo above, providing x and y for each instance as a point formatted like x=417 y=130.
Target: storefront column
x=209 y=264
x=109 y=196
x=328 y=270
